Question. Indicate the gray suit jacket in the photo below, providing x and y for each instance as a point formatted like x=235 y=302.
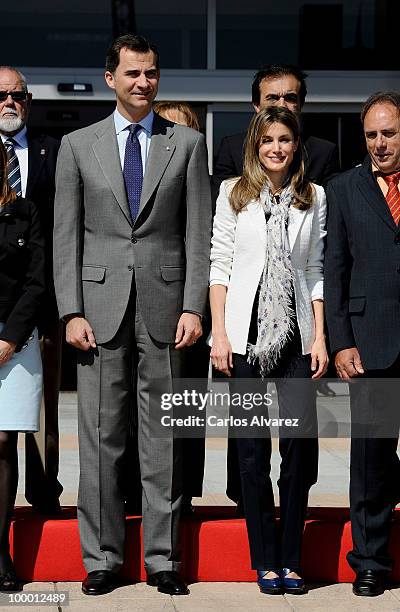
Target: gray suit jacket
x=97 y=250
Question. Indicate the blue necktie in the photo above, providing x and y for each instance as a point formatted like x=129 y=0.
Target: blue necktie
x=133 y=170
x=13 y=169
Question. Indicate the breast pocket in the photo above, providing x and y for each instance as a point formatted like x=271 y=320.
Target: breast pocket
x=171 y=182
x=357 y=305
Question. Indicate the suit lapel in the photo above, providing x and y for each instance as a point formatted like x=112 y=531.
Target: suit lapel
x=106 y=151
x=37 y=155
x=372 y=194
x=257 y=218
x=161 y=151
x=296 y=220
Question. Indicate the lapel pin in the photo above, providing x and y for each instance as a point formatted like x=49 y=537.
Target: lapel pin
x=42 y=151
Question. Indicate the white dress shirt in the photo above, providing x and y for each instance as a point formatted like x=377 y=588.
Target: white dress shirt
x=144 y=135
x=21 y=151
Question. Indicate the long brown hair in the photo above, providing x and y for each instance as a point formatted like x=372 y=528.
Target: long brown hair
x=250 y=184
x=6 y=194
x=164 y=106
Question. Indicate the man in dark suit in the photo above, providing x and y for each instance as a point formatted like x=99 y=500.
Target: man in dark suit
x=281 y=85
x=273 y=85
x=36 y=159
x=362 y=291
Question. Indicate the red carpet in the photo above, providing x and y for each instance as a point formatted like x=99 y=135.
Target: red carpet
x=214 y=545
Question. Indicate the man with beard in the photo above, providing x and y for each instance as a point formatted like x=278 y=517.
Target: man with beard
x=31 y=171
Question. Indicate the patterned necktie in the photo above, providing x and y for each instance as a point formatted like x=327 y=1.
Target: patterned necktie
x=133 y=170
x=13 y=170
x=393 y=195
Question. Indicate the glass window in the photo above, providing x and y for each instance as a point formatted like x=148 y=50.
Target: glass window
x=55 y=34
x=316 y=34
x=72 y=33
x=250 y=33
x=178 y=28
x=344 y=129
x=320 y=125
x=58 y=117
x=353 y=149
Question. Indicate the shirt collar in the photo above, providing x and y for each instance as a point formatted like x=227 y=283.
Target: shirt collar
x=374 y=170
x=377 y=173
x=121 y=123
x=20 y=138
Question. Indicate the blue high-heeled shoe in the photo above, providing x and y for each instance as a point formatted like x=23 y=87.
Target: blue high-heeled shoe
x=293 y=586
x=269 y=586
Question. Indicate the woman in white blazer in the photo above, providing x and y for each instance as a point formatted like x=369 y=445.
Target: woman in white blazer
x=266 y=295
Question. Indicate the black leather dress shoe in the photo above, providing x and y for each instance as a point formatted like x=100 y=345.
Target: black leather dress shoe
x=168 y=582
x=9 y=582
x=99 y=582
x=369 y=583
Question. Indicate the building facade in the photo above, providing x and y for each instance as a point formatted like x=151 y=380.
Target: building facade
x=209 y=52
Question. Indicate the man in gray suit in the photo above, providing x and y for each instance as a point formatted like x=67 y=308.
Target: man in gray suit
x=131 y=250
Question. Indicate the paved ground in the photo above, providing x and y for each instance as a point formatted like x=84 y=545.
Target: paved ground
x=211 y=597
x=331 y=490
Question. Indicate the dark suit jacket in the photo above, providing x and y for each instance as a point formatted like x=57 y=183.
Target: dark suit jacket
x=321 y=160
x=21 y=269
x=362 y=269
x=40 y=188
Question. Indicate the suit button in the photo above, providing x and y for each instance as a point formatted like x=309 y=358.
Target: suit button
x=397 y=240
x=130 y=268
x=133 y=239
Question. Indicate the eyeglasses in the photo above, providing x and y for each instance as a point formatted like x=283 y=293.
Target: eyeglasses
x=290 y=98
x=17 y=96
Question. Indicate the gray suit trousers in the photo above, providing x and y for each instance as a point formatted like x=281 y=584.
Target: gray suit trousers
x=110 y=379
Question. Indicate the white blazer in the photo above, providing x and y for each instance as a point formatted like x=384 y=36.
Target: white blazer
x=238 y=257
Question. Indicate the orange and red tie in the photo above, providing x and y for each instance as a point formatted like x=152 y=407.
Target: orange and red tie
x=393 y=195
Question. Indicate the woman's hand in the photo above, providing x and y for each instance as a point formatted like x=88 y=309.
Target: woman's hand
x=319 y=358
x=7 y=350
x=221 y=354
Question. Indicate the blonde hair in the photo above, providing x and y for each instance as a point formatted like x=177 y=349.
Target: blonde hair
x=164 y=106
x=250 y=184
x=6 y=193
